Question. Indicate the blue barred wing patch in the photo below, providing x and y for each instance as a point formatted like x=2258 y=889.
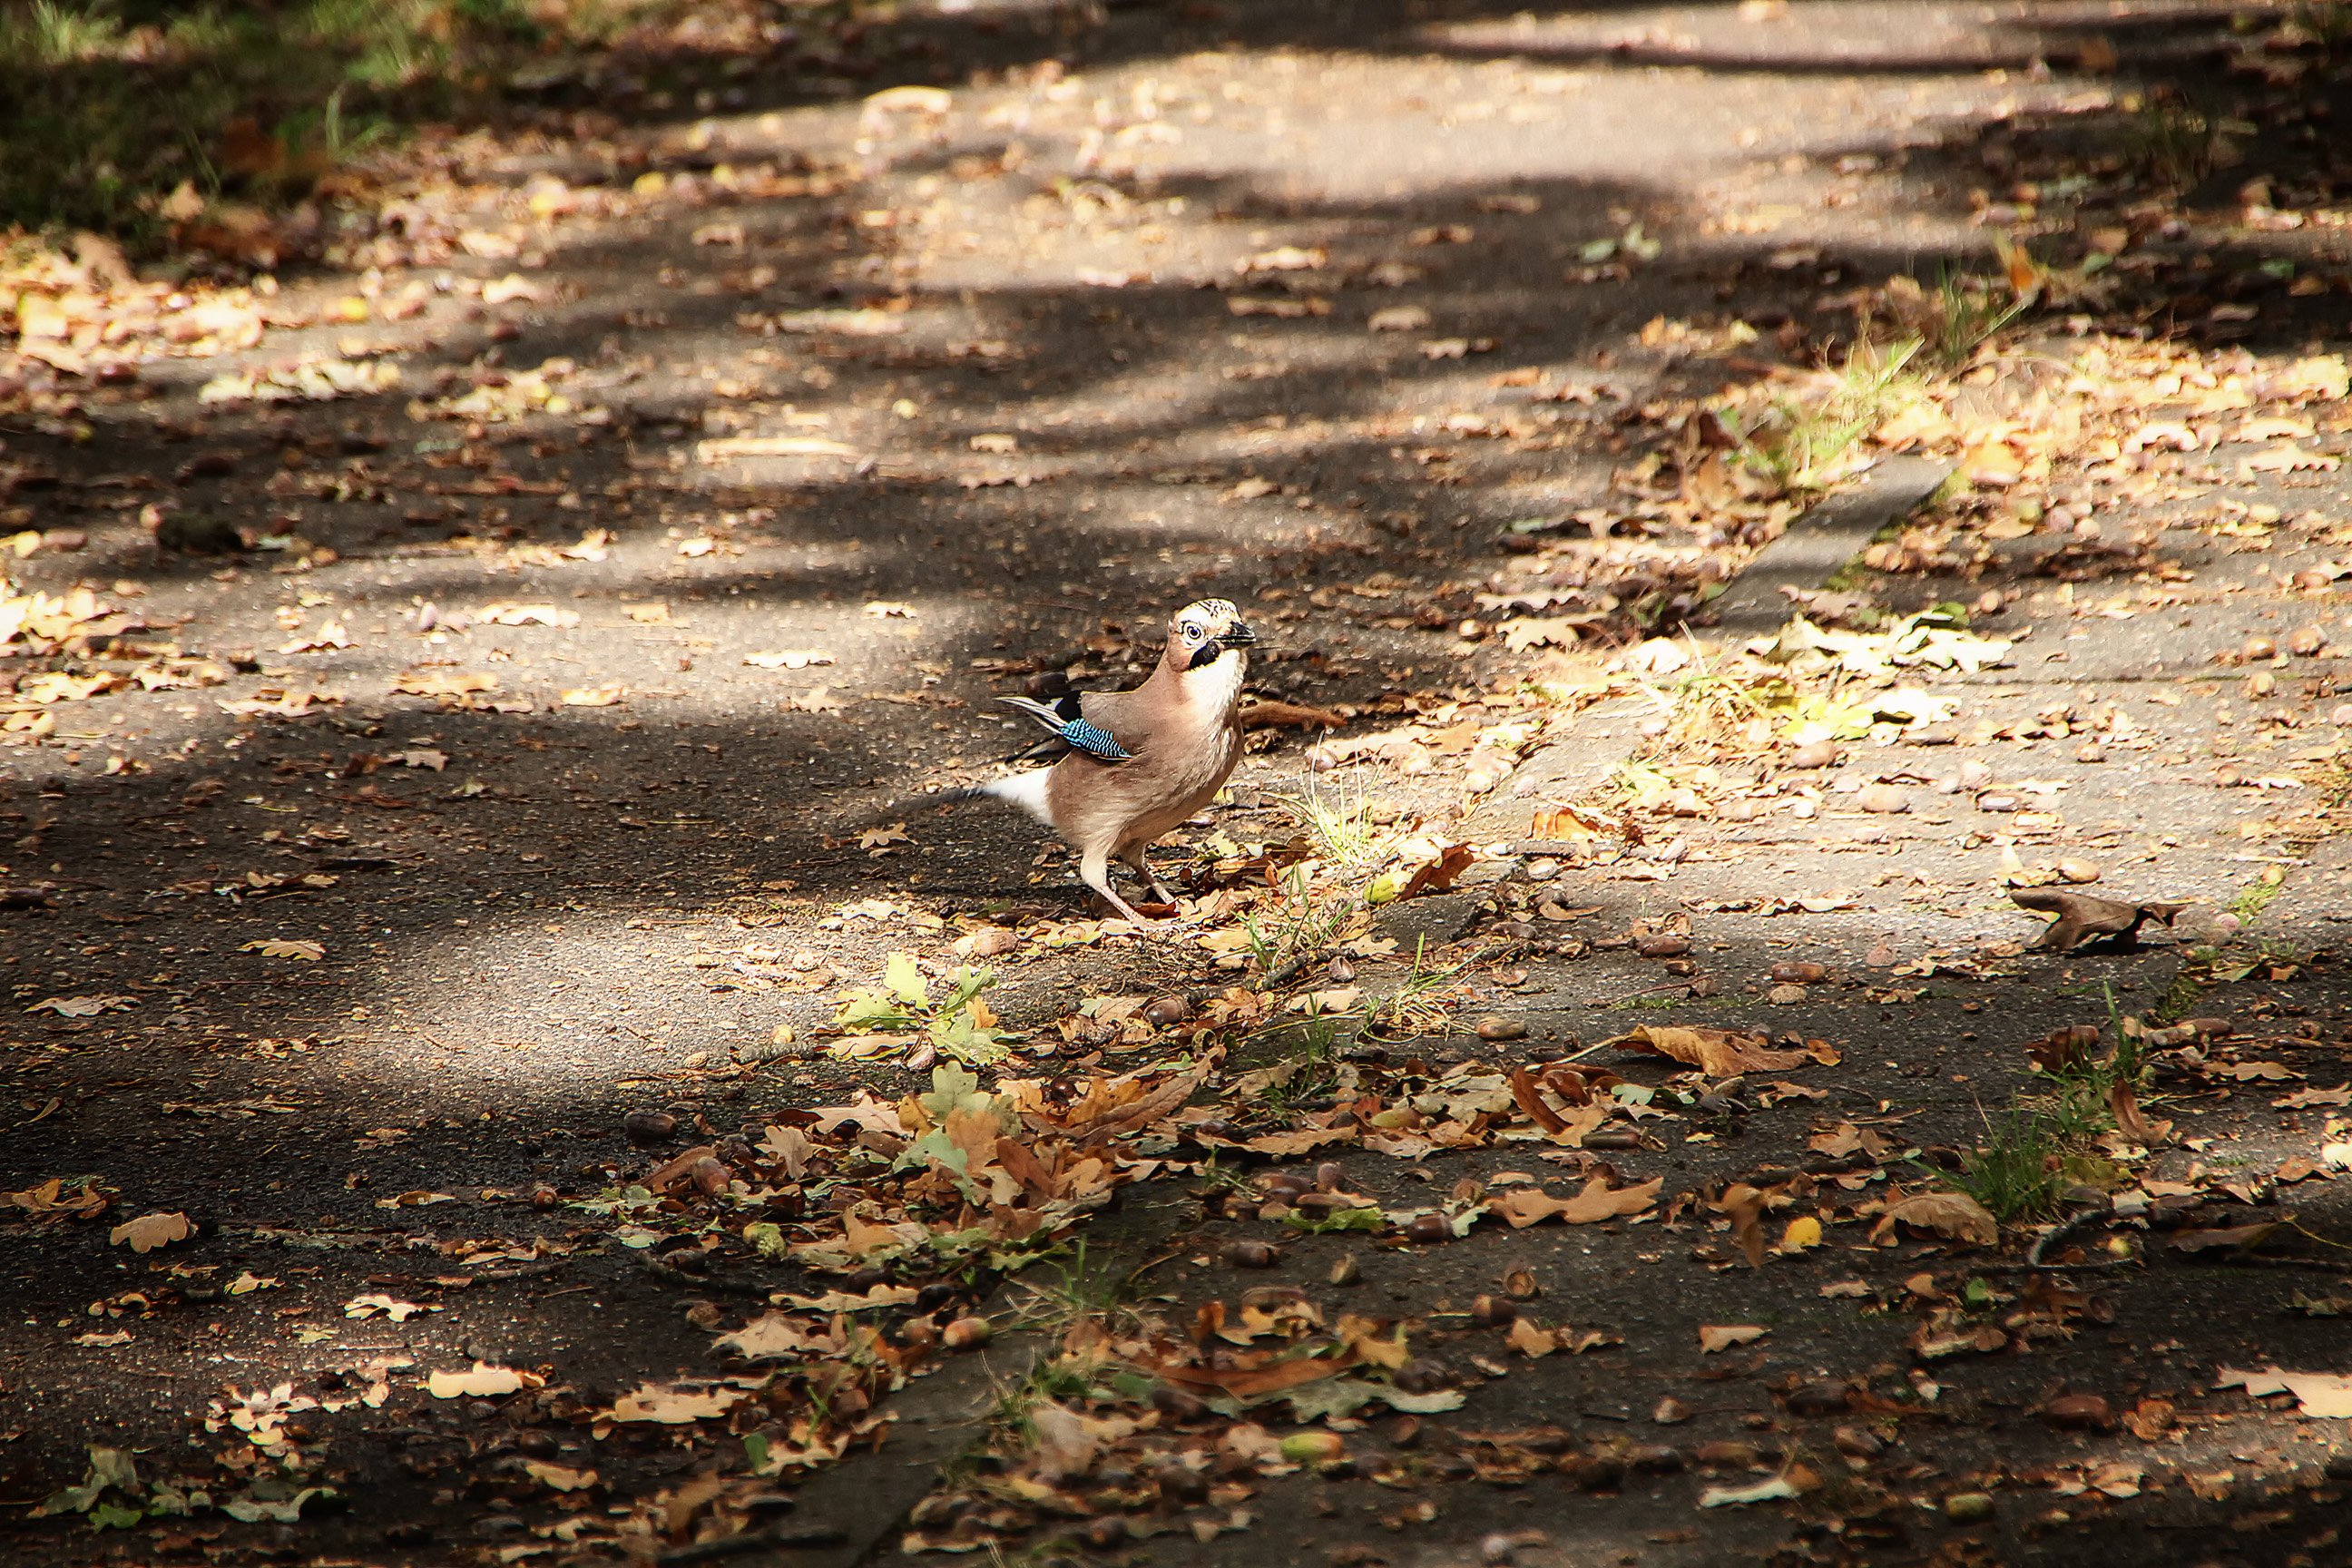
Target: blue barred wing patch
x=1094 y=742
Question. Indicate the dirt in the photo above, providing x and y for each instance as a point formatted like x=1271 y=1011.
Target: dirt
x=1075 y=374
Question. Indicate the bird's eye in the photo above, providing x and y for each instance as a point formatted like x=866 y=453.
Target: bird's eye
x=1191 y=634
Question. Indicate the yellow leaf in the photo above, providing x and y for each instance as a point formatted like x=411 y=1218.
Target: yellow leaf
x=1803 y=1232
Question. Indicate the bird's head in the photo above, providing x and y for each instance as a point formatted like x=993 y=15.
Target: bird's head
x=1204 y=631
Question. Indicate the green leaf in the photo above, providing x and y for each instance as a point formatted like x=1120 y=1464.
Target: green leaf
x=960 y=1038
x=952 y=1089
x=867 y=1011
x=1331 y=1397
x=114 y=1516
x=755 y=1453
x=1338 y=1220
x=903 y=978
x=964 y=984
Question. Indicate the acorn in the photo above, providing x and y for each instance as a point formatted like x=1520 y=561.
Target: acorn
x=649 y=1126
x=966 y=1333
x=1252 y=1254
x=1161 y=1011
x=1428 y=1229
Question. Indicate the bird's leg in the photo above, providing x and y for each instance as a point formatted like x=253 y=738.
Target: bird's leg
x=1094 y=870
x=1132 y=858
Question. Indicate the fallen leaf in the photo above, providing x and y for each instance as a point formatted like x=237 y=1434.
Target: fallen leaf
x=149 y=1231
x=2082 y=918
x=1523 y=1206
x=280 y=947
x=559 y=1478
x=392 y=1307
x=1954 y=1215
x=1718 y=1052
x=483 y=1382
x=1717 y=1337
x=670 y=1405
x=2327 y=1394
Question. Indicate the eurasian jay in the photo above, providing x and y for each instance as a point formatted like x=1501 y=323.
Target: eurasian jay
x=1140 y=763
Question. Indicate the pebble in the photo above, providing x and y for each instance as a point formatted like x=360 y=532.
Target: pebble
x=1968 y=1508
x=2075 y=868
x=1814 y=754
x=2306 y=640
x=1800 y=971
x=2259 y=647
x=1857 y=1442
x=1885 y=799
x=988 y=942
x=1501 y=1029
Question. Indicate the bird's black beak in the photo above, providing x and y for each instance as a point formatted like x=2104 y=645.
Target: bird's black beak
x=1238 y=635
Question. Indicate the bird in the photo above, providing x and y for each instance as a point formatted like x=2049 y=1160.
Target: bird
x=1138 y=762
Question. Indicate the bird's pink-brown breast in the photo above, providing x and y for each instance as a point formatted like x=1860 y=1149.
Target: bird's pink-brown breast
x=1183 y=754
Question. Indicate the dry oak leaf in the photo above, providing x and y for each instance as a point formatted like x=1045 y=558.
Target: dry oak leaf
x=149 y=1231
x=559 y=1478
x=2322 y=1393
x=483 y=1381
x=1523 y=1206
x=1531 y=1340
x=2082 y=918
x=673 y=1407
x=1718 y=1052
x=1954 y=1215
x=1717 y=1336
x=284 y=947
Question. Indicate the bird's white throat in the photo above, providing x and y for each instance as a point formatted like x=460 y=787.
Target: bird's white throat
x=1216 y=687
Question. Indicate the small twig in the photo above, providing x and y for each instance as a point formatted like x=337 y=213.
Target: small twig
x=752 y=1540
